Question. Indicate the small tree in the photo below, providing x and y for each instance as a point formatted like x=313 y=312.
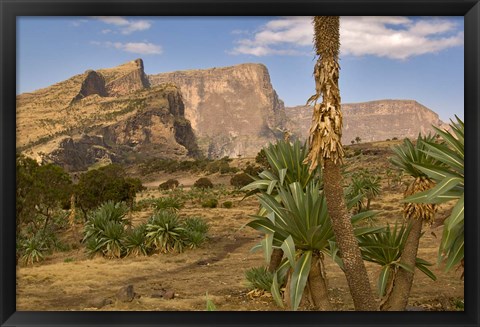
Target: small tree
x=107 y=183
x=358 y=139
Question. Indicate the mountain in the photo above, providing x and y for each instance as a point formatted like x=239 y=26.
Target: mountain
x=109 y=115
x=123 y=115
x=233 y=110
x=372 y=121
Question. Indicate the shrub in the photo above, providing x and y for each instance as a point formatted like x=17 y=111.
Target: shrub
x=164 y=232
x=210 y=203
x=41 y=190
x=252 y=170
x=143 y=204
x=169 y=184
x=259 y=278
x=33 y=249
x=203 y=183
x=241 y=180
x=195 y=231
x=261 y=159
x=227 y=204
x=105 y=229
x=168 y=203
x=107 y=183
x=135 y=241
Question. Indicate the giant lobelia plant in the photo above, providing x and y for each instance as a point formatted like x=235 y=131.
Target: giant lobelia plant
x=448 y=173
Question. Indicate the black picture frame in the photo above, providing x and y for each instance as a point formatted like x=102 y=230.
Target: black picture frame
x=10 y=9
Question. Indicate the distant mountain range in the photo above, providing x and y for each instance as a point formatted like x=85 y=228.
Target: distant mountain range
x=121 y=114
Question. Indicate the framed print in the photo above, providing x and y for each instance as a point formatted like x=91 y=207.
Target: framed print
x=267 y=161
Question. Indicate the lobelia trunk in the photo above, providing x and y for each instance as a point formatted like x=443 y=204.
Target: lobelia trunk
x=355 y=270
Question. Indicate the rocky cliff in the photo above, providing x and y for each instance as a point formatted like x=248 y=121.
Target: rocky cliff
x=233 y=110
x=372 y=121
x=109 y=115
x=121 y=114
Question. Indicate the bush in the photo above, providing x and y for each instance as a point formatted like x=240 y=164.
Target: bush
x=33 y=249
x=41 y=190
x=203 y=183
x=227 y=204
x=105 y=230
x=241 y=180
x=143 y=204
x=169 y=185
x=168 y=203
x=195 y=231
x=136 y=241
x=107 y=183
x=261 y=159
x=164 y=232
x=252 y=170
x=210 y=203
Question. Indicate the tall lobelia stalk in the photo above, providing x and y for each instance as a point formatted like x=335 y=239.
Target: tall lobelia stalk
x=326 y=149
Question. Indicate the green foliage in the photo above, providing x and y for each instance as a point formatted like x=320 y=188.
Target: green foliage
x=210 y=203
x=143 y=204
x=33 y=249
x=198 y=165
x=107 y=183
x=286 y=166
x=221 y=166
x=294 y=216
x=164 y=232
x=363 y=186
x=169 y=184
x=259 y=278
x=40 y=191
x=203 y=183
x=210 y=305
x=227 y=204
x=167 y=203
x=105 y=229
x=261 y=159
x=240 y=180
x=448 y=172
x=195 y=232
x=299 y=222
x=384 y=247
x=407 y=155
x=135 y=241
x=252 y=170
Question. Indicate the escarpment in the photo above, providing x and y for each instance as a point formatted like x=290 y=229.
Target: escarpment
x=234 y=111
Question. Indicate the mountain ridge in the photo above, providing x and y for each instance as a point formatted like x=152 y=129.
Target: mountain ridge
x=122 y=114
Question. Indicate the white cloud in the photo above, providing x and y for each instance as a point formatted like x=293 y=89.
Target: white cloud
x=144 y=48
x=78 y=22
x=390 y=37
x=125 y=26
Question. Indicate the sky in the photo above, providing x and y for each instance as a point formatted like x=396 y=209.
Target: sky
x=417 y=58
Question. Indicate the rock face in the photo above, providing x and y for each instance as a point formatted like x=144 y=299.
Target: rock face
x=126 y=78
x=233 y=110
x=122 y=115
x=109 y=115
x=373 y=120
x=93 y=83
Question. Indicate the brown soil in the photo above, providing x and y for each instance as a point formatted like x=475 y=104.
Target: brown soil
x=72 y=281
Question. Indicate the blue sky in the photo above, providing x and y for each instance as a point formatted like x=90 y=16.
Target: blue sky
x=418 y=58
